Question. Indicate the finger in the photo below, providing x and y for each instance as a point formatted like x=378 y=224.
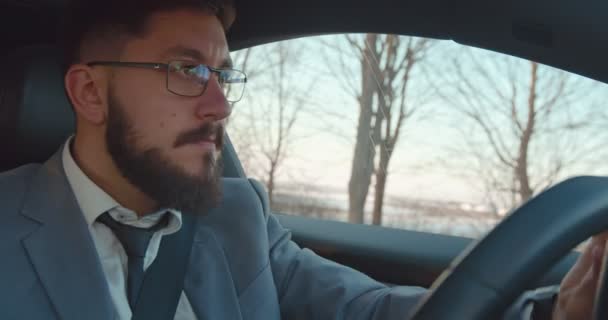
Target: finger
x=602 y=235
x=585 y=260
x=577 y=302
x=576 y=296
x=600 y=238
x=597 y=242
x=582 y=265
x=598 y=257
x=598 y=252
x=588 y=284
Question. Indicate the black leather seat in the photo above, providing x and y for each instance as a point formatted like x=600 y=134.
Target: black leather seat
x=35 y=116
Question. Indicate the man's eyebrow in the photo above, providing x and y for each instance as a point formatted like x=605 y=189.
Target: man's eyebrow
x=184 y=52
x=227 y=63
x=194 y=54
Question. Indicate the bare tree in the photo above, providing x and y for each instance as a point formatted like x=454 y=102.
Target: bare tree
x=265 y=125
x=394 y=106
x=527 y=122
x=239 y=133
x=250 y=62
x=386 y=66
x=363 y=157
x=275 y=150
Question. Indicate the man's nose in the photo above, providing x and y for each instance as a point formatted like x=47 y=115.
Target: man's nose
x=213 y=104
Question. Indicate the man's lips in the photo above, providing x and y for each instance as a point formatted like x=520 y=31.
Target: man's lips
x=205 y=143
x=208 y=134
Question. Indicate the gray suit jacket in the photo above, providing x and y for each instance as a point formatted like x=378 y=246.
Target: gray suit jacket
x=243 y=263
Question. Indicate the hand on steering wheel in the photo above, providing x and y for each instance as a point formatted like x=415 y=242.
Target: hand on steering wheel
x=493 y=272
x=579 y=287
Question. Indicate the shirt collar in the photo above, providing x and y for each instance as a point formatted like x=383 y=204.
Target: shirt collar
x=128 y=217
x=93 y=201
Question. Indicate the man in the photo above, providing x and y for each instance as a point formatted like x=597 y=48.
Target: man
x=151 y=85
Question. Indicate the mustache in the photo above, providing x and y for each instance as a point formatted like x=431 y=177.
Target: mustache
x=206 y=132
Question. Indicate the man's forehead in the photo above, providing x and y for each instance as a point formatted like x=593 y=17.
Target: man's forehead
x=216 y=55
x=189 y=34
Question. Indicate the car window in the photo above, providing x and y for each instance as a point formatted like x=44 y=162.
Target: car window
x=411 y=133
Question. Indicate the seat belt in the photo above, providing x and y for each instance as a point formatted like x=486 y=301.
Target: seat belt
x=164 y=280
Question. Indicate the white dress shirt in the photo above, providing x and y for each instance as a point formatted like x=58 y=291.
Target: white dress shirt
x=93 y=202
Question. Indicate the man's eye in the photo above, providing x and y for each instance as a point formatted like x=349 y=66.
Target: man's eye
x=188 y=71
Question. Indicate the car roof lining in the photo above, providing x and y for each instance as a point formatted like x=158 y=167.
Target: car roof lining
x=561 y=33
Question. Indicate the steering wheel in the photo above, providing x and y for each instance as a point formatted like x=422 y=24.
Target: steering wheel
x=487 y=277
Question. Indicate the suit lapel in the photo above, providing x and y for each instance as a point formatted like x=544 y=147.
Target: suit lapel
x=62 y=250
x=209 y=284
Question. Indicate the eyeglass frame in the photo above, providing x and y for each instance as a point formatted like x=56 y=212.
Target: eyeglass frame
x=159 y=66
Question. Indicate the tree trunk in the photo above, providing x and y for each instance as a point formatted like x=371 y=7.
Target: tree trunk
x=381 y=177
x=363 y=158
x=521 y=169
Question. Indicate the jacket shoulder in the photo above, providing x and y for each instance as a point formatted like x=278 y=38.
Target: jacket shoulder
x=14 y=184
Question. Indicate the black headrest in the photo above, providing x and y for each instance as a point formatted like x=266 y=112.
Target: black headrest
x=35 y=116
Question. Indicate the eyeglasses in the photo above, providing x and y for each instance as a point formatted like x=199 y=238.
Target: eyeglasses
x=187 y=79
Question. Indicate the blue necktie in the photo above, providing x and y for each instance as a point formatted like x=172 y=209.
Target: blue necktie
x=135 y=242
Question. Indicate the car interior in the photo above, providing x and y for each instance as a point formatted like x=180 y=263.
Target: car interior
x=36 y=118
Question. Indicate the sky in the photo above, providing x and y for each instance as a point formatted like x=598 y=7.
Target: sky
x=429 y=161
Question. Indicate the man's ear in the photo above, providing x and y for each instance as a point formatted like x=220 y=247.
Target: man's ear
x=83 y=88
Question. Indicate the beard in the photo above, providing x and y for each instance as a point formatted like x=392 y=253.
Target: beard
x=154 y=174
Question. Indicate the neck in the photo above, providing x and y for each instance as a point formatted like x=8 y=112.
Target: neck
x=96 y=163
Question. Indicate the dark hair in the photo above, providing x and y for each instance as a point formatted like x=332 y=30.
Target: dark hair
x=110 y=20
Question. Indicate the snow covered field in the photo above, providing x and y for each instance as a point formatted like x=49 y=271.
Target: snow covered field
x=459 y=219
